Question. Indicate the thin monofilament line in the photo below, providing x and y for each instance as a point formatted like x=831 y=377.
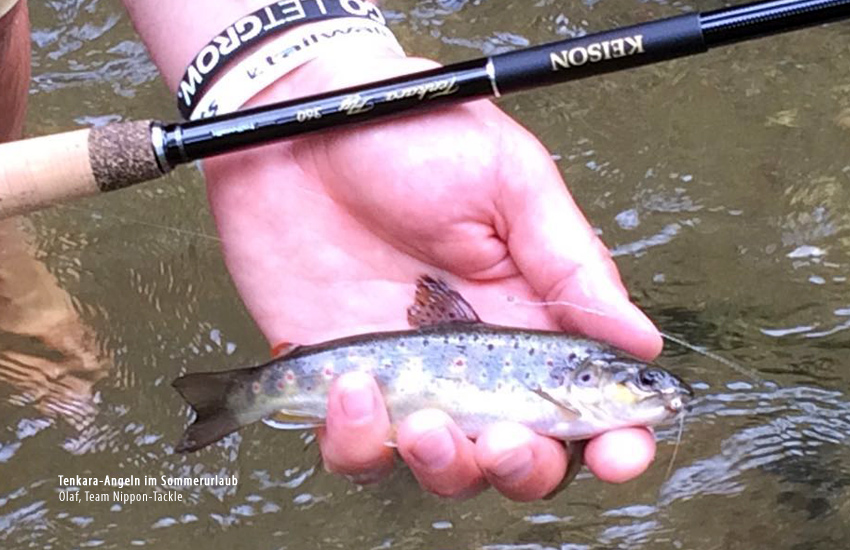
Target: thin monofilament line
x=544 y=303
x=722 y=360
x=740 y=369
x=125 y=220
x=676 y=447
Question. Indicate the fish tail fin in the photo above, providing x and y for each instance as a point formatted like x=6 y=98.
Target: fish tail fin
x=206 y=393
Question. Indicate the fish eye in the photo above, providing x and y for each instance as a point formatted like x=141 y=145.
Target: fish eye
x=651 y=377
x=586 y=377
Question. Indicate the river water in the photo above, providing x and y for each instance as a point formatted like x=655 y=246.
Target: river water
x=719 y=181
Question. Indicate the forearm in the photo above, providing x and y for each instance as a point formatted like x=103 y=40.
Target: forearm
x=175 y=30
x=14 y=68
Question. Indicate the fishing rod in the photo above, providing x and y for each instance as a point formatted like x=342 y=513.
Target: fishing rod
x=37 y=172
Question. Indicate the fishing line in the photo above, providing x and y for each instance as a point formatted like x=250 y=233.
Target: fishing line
x=740 y=369
x=542 y=303
x=676 y=447
x=122 y=219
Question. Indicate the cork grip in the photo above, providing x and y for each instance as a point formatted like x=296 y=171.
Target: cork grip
x=38 y=172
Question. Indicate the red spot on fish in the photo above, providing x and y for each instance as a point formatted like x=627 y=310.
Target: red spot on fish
x=460 y=362
x=550 y=362
x=289 y=377
x=256 y=387
x=280 y=384
x=328 y=371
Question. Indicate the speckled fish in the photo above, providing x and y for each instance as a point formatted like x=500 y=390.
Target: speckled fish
x=560 y=386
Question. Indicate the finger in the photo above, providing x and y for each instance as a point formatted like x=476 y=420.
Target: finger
x=559 y=254
x=620 y=455
x=520 y=464
x=354 y=439
x=440 y=456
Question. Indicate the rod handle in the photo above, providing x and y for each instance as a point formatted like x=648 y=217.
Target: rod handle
x=38 y=172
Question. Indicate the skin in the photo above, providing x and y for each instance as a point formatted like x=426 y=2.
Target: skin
x=14 y=70
x=325 y=236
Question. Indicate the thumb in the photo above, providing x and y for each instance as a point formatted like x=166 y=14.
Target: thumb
x=561 y=257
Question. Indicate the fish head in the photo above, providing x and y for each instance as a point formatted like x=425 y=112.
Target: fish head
x=620 y=391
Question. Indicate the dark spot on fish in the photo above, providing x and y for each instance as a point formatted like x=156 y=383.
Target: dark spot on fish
x=571 y=357
x=425 y=343
x=387 y=366
x=527 y=375
x=550 y=363
x=516 y=344
x=531 y=351
x=490 y=347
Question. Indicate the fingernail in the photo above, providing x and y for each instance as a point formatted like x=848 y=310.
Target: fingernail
x=357 y=400
x=435 y=449
x=514 y=465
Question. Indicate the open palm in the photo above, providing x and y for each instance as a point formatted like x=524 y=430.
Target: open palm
x=326 y=235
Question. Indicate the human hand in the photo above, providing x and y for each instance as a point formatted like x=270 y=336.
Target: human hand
x=326 y=235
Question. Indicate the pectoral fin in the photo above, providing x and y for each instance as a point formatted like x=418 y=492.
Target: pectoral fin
x=569 y=412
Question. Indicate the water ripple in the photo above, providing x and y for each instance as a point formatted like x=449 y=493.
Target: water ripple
x=792 y=422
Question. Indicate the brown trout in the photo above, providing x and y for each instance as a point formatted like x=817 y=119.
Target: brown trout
x=559 y=386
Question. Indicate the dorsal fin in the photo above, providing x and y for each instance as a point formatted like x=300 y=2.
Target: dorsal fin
x=437 y=303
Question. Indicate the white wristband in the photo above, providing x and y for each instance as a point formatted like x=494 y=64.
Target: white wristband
x=272 y=60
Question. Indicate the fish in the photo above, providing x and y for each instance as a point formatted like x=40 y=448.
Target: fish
x=561 y=386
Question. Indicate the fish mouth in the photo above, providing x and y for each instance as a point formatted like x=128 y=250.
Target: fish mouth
x=676 y=399
x=677 y=403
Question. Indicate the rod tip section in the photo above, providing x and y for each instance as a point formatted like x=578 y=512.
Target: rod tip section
x=121 y=155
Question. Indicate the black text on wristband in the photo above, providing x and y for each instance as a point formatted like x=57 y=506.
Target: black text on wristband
x=270 y=20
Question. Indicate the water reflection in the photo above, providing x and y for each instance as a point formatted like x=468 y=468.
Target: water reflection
x=78 y=47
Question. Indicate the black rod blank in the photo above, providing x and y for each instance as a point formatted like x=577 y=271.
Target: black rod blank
x=730 y=25
x=552 y=63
